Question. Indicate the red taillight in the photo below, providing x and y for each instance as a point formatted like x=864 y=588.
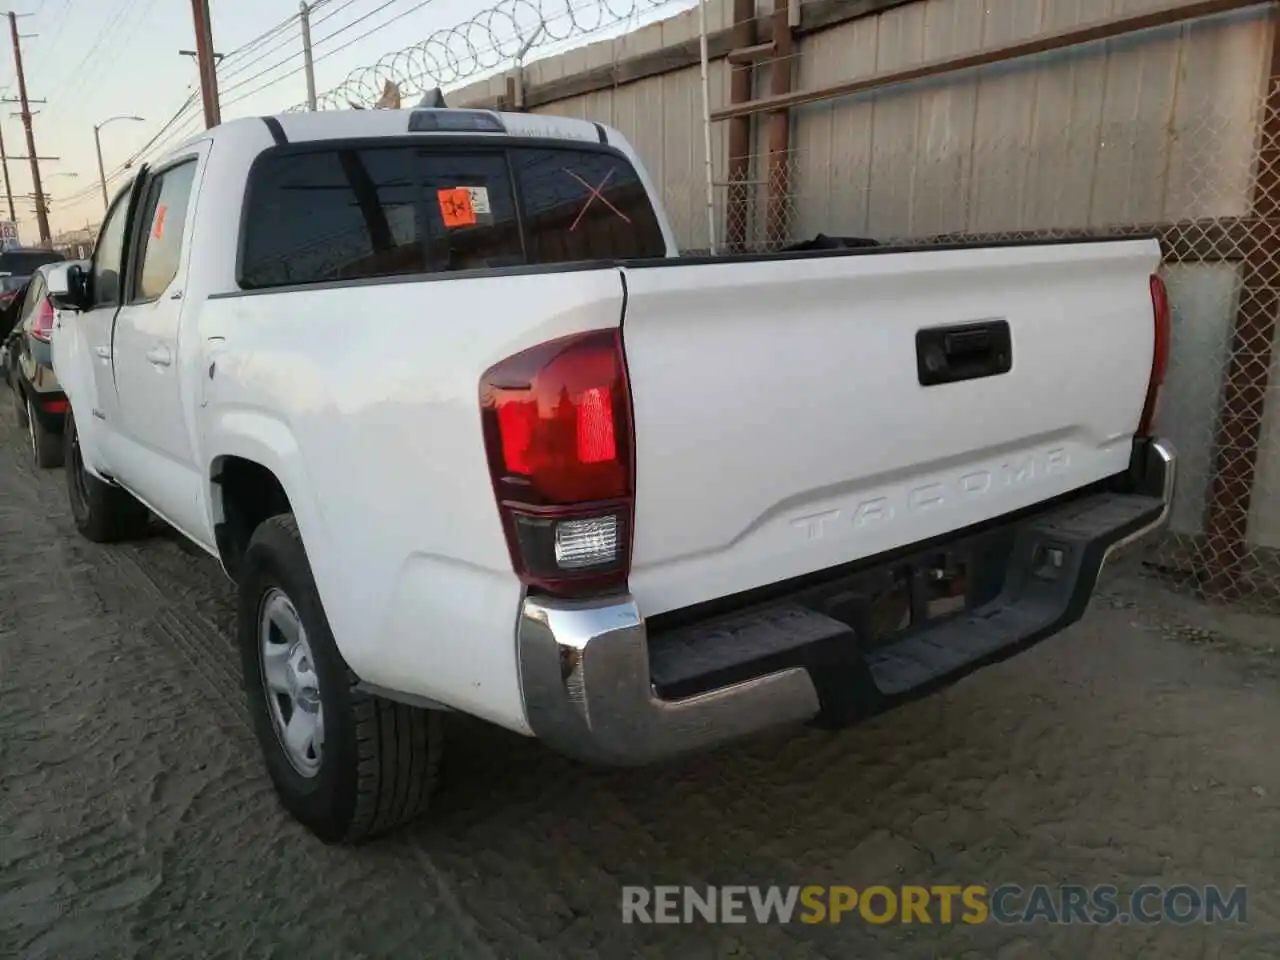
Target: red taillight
x=42 y=325
x=1160 y=353
x=57 y=405
x=557 y=428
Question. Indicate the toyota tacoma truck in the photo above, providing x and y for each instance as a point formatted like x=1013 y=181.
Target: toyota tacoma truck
x=438 y=391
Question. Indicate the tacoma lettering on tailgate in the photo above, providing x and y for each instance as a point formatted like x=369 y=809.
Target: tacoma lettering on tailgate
x=969 y=485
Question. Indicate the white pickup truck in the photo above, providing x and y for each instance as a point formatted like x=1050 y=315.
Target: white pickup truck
x=438 y=391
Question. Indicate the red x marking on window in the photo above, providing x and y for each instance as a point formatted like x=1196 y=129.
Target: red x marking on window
x=595 y=195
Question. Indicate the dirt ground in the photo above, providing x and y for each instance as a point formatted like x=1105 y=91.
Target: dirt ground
x=136 y=820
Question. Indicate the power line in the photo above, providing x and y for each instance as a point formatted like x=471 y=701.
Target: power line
x=263 y=55
x=297 y=53
x=338 y=49
x=115 y=174
x=159 y=139
x=95 y=72
x=317 y=6
x=178 y=124
x=61 y=20
x=243 y=67
x=239 y=54
x=99 y=48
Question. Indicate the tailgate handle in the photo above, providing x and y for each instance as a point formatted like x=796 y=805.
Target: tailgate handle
x=968 y=351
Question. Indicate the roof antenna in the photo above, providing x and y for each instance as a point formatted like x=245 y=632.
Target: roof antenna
x=433 y=98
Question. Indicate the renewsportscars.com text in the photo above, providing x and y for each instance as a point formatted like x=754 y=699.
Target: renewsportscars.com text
x=972 y=904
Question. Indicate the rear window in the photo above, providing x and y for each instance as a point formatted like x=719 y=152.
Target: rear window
x=24 y=262
x=344 y=214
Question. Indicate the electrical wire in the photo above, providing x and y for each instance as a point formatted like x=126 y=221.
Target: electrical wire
x=291 y=40
x=240 y=56
x=92 y=77
x=298 y=53
x=338 y=49
x=99 y=49
x=181 y=116
x=137 y=154
x=481 y=43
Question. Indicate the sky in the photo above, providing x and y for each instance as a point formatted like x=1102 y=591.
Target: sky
x=91 y=60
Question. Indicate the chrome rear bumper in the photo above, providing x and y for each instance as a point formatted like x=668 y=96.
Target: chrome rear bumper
x=587 y=678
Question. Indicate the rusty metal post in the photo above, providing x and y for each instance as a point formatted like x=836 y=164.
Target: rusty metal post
x=778 y=194
x=738 y=194
x=1224 y=549
x=205 y=63
x=42 y=208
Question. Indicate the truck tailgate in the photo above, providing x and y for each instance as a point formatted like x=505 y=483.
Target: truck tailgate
x=781 y=422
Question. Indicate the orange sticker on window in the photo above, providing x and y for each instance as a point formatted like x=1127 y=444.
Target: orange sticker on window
x=455 y=206
x=158 y=230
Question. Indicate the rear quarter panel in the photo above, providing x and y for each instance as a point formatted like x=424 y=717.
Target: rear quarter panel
x=363 y=398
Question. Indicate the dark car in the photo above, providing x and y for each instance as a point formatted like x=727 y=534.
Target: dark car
x=16 y=268
x=40 y=402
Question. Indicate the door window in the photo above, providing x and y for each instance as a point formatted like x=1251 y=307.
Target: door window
x=31 y=301
x=109 y=253
x=163 y=221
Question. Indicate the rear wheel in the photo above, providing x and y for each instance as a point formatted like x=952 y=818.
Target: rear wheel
x=19 y=406
x=346 y=764
x=103 y=512
x=46 y=446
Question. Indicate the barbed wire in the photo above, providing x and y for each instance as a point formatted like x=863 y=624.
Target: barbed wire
x=484 y=43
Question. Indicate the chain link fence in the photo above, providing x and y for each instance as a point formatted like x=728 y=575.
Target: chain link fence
x=1208 y=186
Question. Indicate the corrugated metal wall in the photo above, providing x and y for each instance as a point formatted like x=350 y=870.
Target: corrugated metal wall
x=1150 y=129
x=1101 y=135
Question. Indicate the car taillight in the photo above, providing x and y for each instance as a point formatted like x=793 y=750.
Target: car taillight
x=557 y=431
x=42 y=325
x=1159 y=355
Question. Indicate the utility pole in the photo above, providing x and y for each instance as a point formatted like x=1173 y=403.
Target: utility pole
x=42 y=213
x=205 y=61
x=307 y=61
x=8 y=187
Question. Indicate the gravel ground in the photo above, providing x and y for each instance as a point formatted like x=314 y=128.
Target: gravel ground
x=136 y=820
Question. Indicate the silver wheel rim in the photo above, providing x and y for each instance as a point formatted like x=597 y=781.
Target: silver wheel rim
x=290 y=683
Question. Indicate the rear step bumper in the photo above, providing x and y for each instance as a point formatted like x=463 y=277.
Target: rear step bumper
x=597 y=687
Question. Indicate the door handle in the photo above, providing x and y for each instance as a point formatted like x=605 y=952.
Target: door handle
x=160 y=356
x=214 y=346
x=103 y=353
x=968 y=351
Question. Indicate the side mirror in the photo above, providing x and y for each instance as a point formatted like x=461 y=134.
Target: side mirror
x=68 y=286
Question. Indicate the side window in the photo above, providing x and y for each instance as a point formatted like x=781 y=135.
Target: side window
x=163 y=221
x=584 y=205
x=31 y=299
x=107 y=255
x=392 y=211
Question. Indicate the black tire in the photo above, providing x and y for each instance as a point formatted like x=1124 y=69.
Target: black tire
x=46 y=446
x=380 y=760
x=19 y=406
x=103 y=513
